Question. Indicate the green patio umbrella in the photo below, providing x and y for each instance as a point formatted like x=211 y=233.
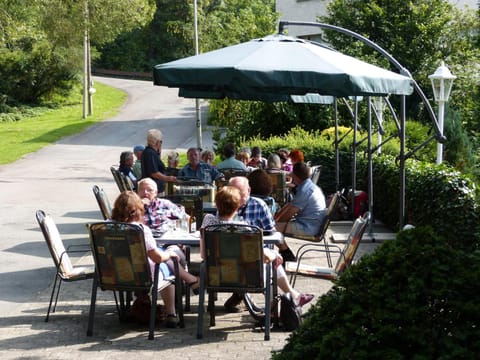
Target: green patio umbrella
x=274 y=67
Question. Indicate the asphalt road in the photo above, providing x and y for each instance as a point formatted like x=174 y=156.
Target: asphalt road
x=59 y=178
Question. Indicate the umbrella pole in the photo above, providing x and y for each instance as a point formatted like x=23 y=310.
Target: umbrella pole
x=370 y=170
x=337 y=151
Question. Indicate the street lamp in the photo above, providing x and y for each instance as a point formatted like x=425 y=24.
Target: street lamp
x=442 y=81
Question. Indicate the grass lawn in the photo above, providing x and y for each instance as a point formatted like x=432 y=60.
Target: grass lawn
x=31 y=134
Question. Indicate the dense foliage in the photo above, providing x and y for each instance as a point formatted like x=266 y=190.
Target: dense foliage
x=170 y=35
x=413 y=298
x=41 y=43
x=419 y=34
x=439 y=196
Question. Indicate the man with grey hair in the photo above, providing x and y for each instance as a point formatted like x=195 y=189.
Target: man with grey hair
x=199 y=170
x=152 y=165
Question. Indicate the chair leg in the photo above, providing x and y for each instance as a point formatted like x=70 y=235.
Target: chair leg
x=268 y=299
x=91 y=313
x=211 y=307
x=58 y=293
x=327 y=252
x=201 y=308
x=51 y=298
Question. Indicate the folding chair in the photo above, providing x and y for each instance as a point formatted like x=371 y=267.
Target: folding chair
x=315 y=173
x=121 y=264
x=65 y=271
x=233 y=263
x=345 y=259
x=103 y=202
x=321 y=235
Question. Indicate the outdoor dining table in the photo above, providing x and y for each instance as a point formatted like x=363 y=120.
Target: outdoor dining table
x=180 y=236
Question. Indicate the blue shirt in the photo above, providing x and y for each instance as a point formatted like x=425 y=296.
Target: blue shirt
x=232 y=163
x=205 y=172
x=310 y=201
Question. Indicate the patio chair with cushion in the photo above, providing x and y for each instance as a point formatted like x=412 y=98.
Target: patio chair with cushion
x=122 y=265
x=103 y=202
x=345 y=255
x=233 y=263
x=65 y=270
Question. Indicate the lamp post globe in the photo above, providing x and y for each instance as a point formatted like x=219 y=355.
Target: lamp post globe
x=442 y=81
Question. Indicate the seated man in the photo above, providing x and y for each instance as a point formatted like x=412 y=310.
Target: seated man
x=230 y=162
x=302 y=216
x=158 y=212
x=199 y=170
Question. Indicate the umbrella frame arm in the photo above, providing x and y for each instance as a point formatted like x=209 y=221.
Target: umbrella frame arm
x=440 y=137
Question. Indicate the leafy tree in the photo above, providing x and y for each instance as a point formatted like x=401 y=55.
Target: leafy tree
x=418 y=34
x=42 y=40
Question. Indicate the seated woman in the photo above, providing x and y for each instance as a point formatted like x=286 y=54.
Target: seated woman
x=128 y=207
x=228 y=200
x=261 y=186
x=126 y=166
x=284 y=158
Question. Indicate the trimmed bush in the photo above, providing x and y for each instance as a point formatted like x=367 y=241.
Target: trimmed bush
x=414 y=298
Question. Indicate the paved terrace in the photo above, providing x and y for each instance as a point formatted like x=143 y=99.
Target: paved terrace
x=59 y=180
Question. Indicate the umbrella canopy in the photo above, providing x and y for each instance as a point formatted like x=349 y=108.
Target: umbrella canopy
x=273 y=67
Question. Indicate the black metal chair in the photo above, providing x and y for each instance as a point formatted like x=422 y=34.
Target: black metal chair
x=65 y=270
x=121 y=265
x=103 y=202
x=345 y=255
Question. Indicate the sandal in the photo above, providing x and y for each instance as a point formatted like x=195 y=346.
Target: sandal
x=195 y=286
x=171 y=321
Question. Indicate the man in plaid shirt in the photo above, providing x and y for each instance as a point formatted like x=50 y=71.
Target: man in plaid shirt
x=158 y=212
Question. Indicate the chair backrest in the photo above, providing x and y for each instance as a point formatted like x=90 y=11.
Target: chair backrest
x=55 y=244
x=193 y=206
x=353 y=241
x=127 y=183
x=229 y=173
x=234 y=258
x=120 y=256
x=279 y=186
x=117 y=178
x=327 y=217
x=103 y=202
x=315 y=173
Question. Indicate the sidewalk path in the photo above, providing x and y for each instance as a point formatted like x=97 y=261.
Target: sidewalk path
x=59 y=180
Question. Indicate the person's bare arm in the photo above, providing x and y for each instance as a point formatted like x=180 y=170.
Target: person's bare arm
x=158 y=175
x=286 y=213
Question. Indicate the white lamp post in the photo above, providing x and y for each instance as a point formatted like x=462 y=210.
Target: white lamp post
x=442 y=81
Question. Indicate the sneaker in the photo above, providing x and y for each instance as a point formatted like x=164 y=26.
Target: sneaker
x=304 y=299
x=233 y=303
x=287 y=255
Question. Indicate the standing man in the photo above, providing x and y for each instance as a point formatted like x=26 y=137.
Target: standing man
x=302 y=216
x=199 y=170
x=152 y=165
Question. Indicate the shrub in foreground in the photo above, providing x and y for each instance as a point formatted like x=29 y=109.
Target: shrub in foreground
x=414 y=298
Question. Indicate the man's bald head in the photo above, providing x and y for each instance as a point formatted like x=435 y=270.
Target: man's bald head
x=241 y=183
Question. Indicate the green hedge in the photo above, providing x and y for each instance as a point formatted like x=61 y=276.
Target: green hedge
x=413 y=298
x=438 y=196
